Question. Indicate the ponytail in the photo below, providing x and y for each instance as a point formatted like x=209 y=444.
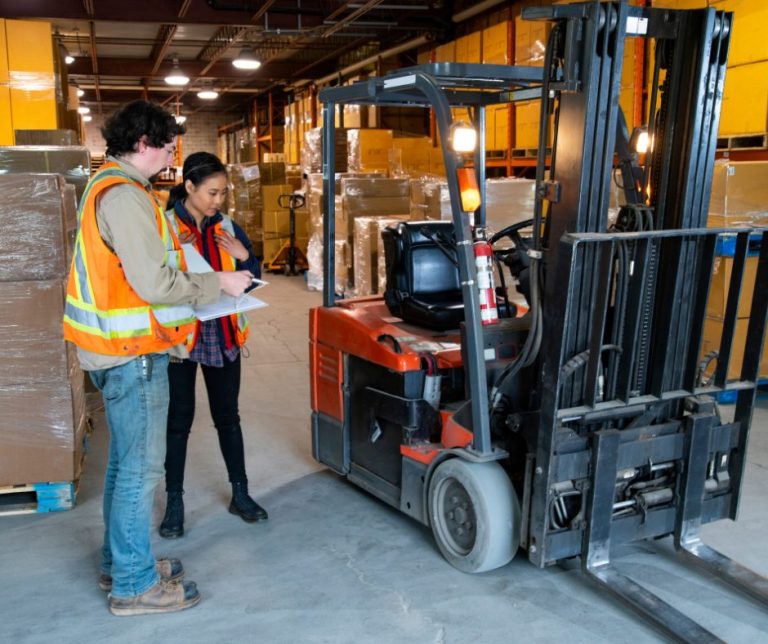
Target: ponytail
x=176 y=194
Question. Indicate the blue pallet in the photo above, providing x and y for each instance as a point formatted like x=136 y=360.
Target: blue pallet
x=729 y=397
x=726 y=244
x=37 y=497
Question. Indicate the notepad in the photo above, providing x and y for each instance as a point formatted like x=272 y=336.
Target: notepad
x=226 y=304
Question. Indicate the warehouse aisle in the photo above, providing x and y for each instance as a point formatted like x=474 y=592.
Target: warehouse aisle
x=333 y=564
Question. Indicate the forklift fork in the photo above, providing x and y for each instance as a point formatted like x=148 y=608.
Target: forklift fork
x=596 y=562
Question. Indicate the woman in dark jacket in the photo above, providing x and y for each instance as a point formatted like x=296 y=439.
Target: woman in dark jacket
x=193 y=210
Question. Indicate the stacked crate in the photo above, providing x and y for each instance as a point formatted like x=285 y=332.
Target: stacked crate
x=42 y=400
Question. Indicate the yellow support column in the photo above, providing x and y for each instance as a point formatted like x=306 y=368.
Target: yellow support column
x=31 y=74
x=6 y=122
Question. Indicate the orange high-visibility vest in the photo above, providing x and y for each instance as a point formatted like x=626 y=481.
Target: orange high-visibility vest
x=228 y=263
x=103 y=313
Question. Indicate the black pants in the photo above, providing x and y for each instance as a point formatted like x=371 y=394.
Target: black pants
x=223 y=387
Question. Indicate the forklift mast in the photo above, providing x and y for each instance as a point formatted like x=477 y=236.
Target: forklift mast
x=604 y=419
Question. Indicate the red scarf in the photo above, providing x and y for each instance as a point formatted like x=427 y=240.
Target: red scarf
x=211 y=253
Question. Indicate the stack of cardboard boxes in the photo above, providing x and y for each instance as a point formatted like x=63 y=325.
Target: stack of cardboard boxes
x=42 y=401
x=247 y=182
x=739 y=199
x=73 y=163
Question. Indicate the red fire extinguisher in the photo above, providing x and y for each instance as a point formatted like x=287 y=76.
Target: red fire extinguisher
x=489 y=314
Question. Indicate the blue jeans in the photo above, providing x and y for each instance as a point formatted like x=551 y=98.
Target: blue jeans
x=136 y=405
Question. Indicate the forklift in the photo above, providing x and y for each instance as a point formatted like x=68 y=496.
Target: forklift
x=591 y=420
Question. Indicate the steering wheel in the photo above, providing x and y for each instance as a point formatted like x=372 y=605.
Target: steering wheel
x=513 y=232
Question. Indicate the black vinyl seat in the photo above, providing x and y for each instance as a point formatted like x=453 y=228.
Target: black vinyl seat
x=422 y=275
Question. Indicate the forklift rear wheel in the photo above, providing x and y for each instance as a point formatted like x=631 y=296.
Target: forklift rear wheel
x=475 y=515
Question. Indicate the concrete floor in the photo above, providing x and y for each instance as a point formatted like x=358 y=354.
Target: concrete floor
x=334 y=564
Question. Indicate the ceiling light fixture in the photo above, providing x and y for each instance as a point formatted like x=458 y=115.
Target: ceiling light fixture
x=246 y=59
x=176 y=76
x=68 y=58
x=180 y=119
x=80 y=92
x=208 y=93
x=87 y=118
x=83 y=110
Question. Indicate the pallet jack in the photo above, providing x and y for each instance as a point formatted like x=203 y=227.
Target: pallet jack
x=289 y=258
x=585 y=423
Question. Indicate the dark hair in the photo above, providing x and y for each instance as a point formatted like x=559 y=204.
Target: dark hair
x=197 y=168
x=124 y=128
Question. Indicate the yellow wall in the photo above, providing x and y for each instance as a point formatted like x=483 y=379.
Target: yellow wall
x=745 y=100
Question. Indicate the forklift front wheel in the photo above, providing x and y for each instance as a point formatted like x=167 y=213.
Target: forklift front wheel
x=475 y=514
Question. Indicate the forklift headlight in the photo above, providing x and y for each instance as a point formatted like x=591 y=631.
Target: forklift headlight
x=463 y=137
x=640 y=141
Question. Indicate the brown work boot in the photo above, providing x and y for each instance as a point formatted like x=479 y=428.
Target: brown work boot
x=163 y=597
x=168 y=569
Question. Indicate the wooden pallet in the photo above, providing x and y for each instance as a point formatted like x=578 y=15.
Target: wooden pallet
x=743 y=142
x=37 y=497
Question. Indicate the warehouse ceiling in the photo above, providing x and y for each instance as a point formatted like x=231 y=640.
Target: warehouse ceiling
x=124 y=49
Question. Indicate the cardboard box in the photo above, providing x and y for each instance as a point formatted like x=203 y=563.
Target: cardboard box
x=71 y=162
x=42 y=433
x=745 y=100
x=368 y=150
x=495 y=44
x=35 y=224
x=270 y=195
x=713 y=330
x=740 y=190
x=31 y=334
x=508 y=201
x=341 y=264
x=365 y=252
x=530 y=41
x=719 y=287
x=430 y=199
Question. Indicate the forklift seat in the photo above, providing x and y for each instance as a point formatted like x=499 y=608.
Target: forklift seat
x=422 y=274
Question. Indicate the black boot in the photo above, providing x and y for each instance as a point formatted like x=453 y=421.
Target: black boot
x=172 y=526
x=244 y=506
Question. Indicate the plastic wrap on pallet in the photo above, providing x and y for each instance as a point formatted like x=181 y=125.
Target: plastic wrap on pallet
x=71 y=162
x=46 y=137
x=368 y=150
x=34 y=222
x=507 y=202
x=367 y=253
x=41 y=431
x=315 y=209
x=430 y=198
x=375 y=196
x=312 y=151
x=315 y=259
x=244 y=195
x=739 y=194
x=31 y=334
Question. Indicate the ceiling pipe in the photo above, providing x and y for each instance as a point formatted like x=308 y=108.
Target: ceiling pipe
x=388 y=53
x=461 y=16
x=160 y=88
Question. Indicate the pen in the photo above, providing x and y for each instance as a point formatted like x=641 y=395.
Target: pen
x=259 y=282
